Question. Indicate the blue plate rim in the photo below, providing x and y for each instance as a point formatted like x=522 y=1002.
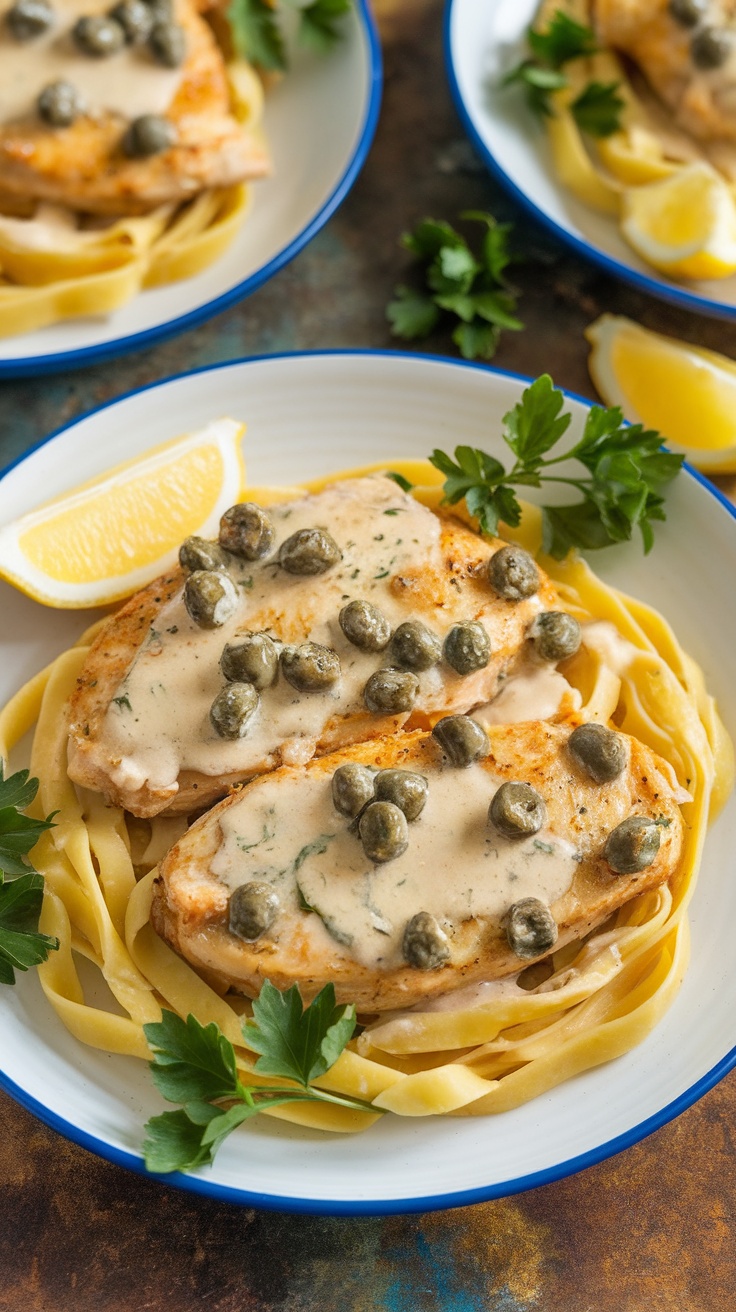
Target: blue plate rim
x=651 y=286
x=30 y=366
x=357 y=1207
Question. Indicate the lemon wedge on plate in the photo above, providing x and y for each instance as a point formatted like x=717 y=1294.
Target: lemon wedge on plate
x=684 y=225
x=111 y=536
x=686 y=392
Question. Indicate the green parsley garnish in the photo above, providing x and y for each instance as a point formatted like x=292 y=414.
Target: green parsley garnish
x=21 y=945
x=457 y=283
x=626 y=465
x=257 y=33
x=195 y=1065
x=597 y=110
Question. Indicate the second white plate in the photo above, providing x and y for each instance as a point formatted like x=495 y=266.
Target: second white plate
x=482 y=42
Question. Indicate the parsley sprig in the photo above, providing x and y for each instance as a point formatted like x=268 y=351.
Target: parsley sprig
x=195 y=1065
x=21 y=895
x=258 y=36
x=626 y=465
x=597 y=110
x=457 y=282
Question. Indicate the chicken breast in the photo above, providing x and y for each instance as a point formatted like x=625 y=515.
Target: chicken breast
x=336 y=915
x=140 y=725
x=686 y=51
x=84 y=165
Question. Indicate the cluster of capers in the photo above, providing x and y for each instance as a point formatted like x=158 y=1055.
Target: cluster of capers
x=711 y=44
x=129 y=22
x=513 y=574
x=381 y=804
x=601 y=753
x=211 y=598
x=412 y=647
x=517 y=810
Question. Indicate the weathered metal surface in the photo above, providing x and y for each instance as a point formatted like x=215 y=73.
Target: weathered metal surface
x=649 y=1231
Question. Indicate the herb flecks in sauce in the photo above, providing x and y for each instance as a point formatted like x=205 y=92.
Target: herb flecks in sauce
x=368 y=904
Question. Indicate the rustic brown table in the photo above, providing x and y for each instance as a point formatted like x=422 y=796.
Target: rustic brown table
x=649 y=1231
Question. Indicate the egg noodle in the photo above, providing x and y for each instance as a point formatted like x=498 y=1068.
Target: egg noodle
x=66 y=272
x=648 y=147
x=604 y=995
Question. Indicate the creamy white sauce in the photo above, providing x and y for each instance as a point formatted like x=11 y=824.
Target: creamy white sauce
x=536 y=692
x=52 y=228
x=456 y=866
x=128 y=83
x=475 y=996
x=159 y=724
x=604 y=639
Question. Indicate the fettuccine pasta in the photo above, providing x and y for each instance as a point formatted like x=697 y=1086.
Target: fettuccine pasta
x=591 y=1001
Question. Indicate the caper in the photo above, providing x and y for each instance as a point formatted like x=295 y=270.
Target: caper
x=390 y=692
x=98 y=35
x=555 y=635
x=462 y=739
x=232 y=710
x=425 y=944
x=405 y=788
x=136 y=19
x=415 y=647
x=150 y=134
x=310 y=667
x=60 y=104
x=467 y=647
x=513 y=573
x=29 y=18
x=246 y=530
x=688 y=12
x=530 y=928
x=365 y=626
x=352 y=788
x=210 y=597
x=254 y=660
x=632 y=845
x=200 y=553
x=309 y=551
x=161 y=10
x=711 y=47
x=168 y=43
x=253 y=909
x=383 y=831
x=599 y=751
x=517 y=810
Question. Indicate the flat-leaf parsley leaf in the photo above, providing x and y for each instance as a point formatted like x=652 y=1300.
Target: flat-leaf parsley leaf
x=597 y=109
x=456 y=282
x=196 y=1065
x=626 y=466
x=258 y=36
x=21 y=944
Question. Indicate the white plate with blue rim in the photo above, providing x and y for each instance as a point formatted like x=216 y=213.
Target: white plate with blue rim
x=306 y=415
x=482 y=42
x=319 y=120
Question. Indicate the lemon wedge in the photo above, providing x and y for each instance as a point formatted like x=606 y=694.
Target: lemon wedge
x=684 y=225
x=111 y=536
x=686 y=392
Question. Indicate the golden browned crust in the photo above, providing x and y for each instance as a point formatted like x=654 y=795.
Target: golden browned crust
x=190 y=904
x=83 y=166
x=458 y=589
